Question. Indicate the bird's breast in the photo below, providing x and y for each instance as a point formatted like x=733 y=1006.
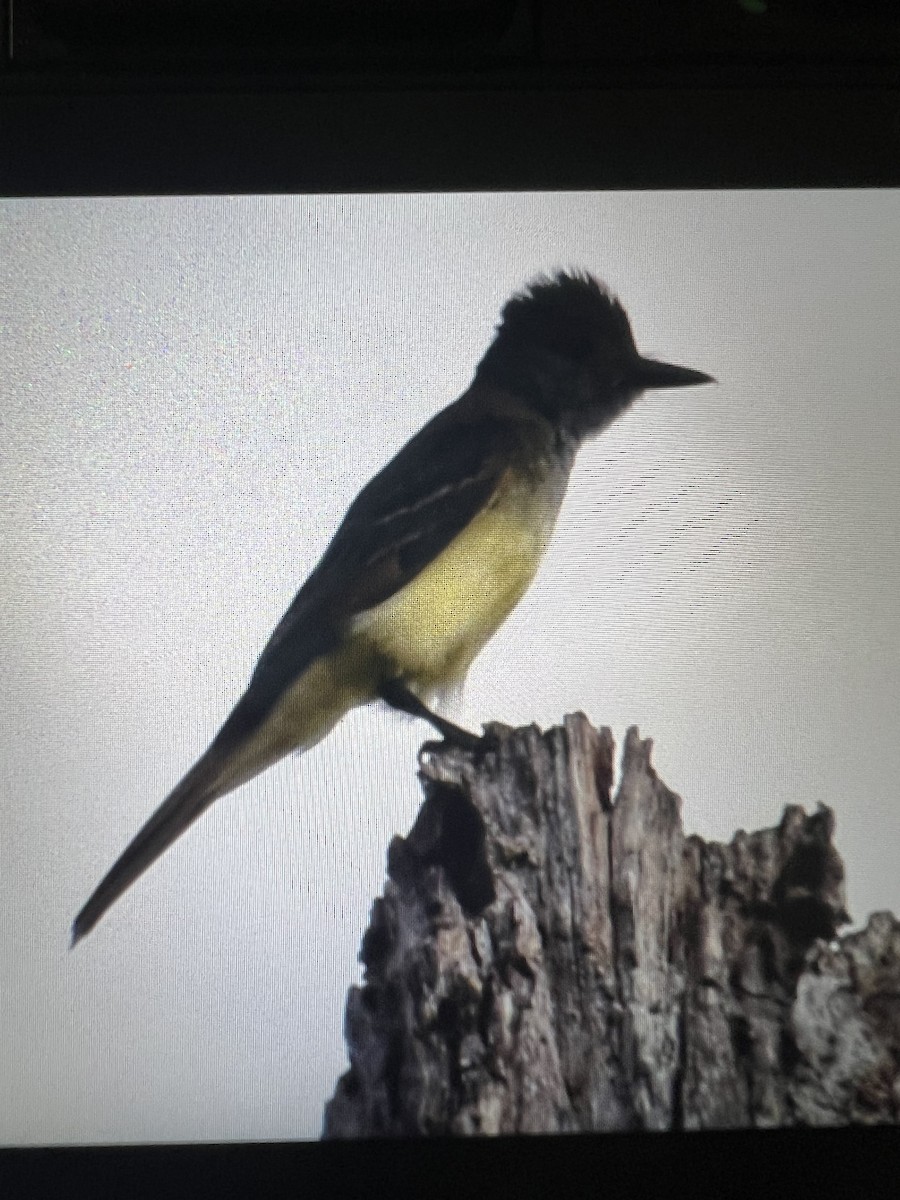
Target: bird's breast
x=430 y=631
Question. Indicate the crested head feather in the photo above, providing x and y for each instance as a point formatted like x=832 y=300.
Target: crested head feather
x=570 y=313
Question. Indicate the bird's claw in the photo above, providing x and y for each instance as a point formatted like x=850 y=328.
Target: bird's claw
x=478 y=746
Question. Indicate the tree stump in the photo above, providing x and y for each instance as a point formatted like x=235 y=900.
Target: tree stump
x=545 y=959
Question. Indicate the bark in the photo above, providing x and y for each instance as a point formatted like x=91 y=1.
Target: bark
x=545 y=959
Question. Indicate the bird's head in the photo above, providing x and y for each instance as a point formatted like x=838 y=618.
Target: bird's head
x=565 y=344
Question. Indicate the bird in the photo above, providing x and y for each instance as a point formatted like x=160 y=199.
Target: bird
x=432 y=555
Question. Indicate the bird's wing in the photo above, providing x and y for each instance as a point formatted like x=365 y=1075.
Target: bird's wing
x=399 y=523
x=407 y=515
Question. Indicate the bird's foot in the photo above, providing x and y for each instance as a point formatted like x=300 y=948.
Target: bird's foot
x=478 y=746
x=398 y=695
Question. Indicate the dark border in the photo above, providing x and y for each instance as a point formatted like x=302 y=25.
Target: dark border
x=774 y=1163
x=146 y=142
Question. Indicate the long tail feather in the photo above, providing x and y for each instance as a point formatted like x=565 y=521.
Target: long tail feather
x=260 y=730
x=205 y=782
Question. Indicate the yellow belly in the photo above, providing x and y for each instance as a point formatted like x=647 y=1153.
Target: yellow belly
x=430 y=631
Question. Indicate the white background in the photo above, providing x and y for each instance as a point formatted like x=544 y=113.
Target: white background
x=192 y=392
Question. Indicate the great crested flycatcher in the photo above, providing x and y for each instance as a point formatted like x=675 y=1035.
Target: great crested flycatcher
x=432 y=555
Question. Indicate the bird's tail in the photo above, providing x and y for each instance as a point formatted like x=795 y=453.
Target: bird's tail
x=207 y=780
x=278 y=713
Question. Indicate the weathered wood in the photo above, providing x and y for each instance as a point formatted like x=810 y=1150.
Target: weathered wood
x=544 y=959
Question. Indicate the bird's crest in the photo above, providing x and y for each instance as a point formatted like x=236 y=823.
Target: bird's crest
x=569 y=313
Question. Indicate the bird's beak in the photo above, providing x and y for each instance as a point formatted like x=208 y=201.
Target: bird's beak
x=651 y=374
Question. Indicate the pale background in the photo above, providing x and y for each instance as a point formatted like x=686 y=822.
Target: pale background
x=192 y=390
